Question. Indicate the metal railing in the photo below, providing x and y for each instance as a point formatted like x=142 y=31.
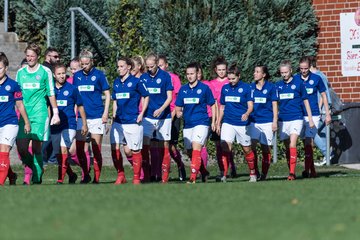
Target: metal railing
x=80 y=10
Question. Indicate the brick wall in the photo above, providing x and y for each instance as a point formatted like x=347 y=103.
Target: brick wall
x=329 y=61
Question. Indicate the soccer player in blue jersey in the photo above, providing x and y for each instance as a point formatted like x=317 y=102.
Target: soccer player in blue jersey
x=63 y=135
x=127 y=127
x=191 y=104
x=314 y=85
x=264 y=118
x=157 y=121
x=10 y=95
x=92 y=84
x=292 y=96
x=236 y=105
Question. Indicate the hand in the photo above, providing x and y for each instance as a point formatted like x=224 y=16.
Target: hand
x=104 y=118
x=84 y=130
x=213 y=127
x=311 y=123
x=244 y=117
x=327 y=119
x=218 y=129
x=55 y=120
x=157 y=113
x=179 y=114
x=27 y=128
x=139 y=118
x=274 y=127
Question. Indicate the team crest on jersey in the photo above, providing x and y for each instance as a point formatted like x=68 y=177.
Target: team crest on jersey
x=293 y=87
x=198 y=91
x=158 y=81
x=240 y=90
x=93 y=78
x=8 y=88
x=129 y=84
x=265 y=91
x=38 y=77
x=311 y=82
x=66 y=93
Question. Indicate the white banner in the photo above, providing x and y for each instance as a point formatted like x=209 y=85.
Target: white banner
x=350 y=44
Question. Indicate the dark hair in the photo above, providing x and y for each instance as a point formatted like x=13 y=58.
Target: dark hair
x=312 y=61
x=264 y=69
x=33 y=47
x=305 y=59
x=219 y=61
x=163 y=57
x=24 y=61
x=49 y=50
x=4 y=59
x=58 y=65
x=233 y=69
x=193 y=65
x=127 y=60
x=75 y=59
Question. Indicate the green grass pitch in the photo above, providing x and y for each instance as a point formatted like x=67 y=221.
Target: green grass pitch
x=323 y=208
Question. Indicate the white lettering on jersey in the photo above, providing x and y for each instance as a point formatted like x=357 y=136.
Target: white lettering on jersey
x=286 y=95
x=309 y=90
x=123 y=95
x=4 y=98
x=31 y=85
x=232 y=99
x=259 y=100
x=154 y=90
x=61 y=103
x=191 y=100
x=86 y=88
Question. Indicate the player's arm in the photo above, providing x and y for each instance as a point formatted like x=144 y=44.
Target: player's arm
x=275 y=109
x=213 y=119
x=326 y=106
x=308 y=111
x=21 y=108
x=250 y=107
x=167 y=102
x=55 y=120
x=145 y=104
x=221 y=116
x=179 y=111
x=105 y=115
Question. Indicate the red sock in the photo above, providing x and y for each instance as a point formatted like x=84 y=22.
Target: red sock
x=82 y=158
x=165 y=164
x=195 y=164
x=97 y=162
x=250 y=160
x=293 y=157
x=62 y=167
x=219 y=158
x=225 y=158
x=4 y=166
x=256 y=162
x=287 y=153
x=146 y=162
x=266 y=160
x=117 y=160
x=137 y=160
x=308 y=157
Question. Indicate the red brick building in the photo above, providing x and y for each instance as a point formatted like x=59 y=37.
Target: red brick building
x=329 y=55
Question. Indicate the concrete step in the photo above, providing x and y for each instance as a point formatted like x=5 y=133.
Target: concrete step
x=4 y=46
x=8 y=37
x=2 y=26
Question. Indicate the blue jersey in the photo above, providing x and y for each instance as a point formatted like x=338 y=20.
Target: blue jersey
x=128 y=94
x=263 y=99
x=291 y=99
x=235 y=99
x=10 y=92
x=194 y=102
x=91 y=85
x=67 y=96
x=313 y=85
x=157 y=87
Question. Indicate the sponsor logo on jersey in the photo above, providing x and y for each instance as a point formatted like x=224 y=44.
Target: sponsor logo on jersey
x=286 y=95
x=8 y=88
x=61 y=103
x=199 y=91
x=66 y=93
x=86 y=88
x=31 y=85
x=124 y=95
x=191 y=100
x=4 y=98
x=232 y=99
x=154 y=90
x=309 y=90
x=259 y=100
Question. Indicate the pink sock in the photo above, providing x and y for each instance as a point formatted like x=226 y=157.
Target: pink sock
x=87 y=154
x=204 y=156
x=130 y=159
x=75 y=159
x=27 y=174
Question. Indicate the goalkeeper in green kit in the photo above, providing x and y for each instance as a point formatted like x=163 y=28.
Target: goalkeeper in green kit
x=37 y=84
